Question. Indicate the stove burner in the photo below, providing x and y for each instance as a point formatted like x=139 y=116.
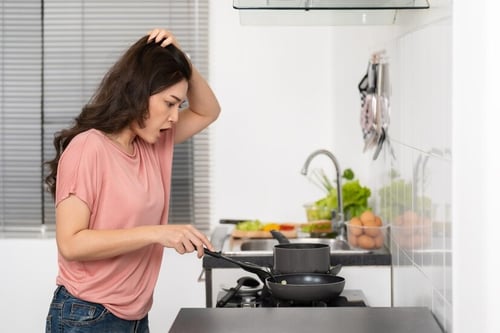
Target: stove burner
x=248 y=302
x=261 y=297
x=335 y=302
x=246 y=291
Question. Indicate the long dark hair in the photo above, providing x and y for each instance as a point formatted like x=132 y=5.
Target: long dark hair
x=123 y=95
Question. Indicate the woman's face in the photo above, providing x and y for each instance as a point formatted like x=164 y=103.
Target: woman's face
x=163 y=112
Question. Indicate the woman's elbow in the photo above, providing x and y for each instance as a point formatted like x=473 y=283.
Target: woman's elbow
x=67 y=251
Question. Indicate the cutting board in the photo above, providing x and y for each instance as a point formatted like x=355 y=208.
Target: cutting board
x=262 y=234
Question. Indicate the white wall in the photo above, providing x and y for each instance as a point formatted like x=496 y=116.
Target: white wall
x=285 y=92
x=476 y=177
x=29 y=269
x=421 y=137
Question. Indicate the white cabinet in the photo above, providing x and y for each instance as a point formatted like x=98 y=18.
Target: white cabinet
x=374 y=281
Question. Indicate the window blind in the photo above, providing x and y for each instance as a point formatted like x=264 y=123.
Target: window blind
x=76 y=43
x=20 y=116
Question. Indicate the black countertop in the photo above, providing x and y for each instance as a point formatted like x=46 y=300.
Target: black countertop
x=318 y=320
x=375 y=258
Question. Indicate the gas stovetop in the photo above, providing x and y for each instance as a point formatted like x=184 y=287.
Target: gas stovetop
x=260 y=297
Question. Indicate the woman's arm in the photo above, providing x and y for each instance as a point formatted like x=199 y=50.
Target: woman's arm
x=76 y=242
x=203 y=105
x=202 y=111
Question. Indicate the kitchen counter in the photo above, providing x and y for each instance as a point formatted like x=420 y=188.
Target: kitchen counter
x=318 y=320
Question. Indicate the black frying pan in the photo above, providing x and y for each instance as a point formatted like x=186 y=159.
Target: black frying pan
x=306 y=286
x=297 y=286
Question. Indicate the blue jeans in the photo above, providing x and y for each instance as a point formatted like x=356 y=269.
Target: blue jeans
x=68 y=314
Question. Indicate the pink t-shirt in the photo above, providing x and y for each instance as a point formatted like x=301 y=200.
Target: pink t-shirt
x=122 y=191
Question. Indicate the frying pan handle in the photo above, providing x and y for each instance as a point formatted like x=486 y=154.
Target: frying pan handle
x=212 y=253
x=249 y=267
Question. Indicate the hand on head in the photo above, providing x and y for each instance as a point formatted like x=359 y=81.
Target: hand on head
x=162 y=36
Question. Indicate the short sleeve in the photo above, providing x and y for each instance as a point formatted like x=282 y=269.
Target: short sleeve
x=78 y=170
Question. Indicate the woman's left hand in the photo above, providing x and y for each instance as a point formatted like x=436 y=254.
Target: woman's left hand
x=164 y=36
x=203 y=105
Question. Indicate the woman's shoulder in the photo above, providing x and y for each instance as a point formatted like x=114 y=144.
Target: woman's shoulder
x=87 y=142
x=92 y=134
x=89 y=137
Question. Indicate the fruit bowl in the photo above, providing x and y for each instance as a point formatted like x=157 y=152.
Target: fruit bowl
x=366 y=232
x=317 y=213
x=367 y=238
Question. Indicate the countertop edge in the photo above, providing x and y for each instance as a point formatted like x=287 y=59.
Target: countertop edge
x=357 y=259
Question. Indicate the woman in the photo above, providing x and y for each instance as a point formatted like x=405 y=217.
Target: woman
x=111 y=183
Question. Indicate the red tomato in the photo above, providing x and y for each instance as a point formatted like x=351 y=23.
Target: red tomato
x=287 y=227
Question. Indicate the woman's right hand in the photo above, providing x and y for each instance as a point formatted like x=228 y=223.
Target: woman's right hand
x=184 y=238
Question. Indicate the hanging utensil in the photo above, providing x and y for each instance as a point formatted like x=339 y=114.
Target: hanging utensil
x=379 y=144
x=369 y=114
x=385 y=93
x=375 y=91
x=367 y=120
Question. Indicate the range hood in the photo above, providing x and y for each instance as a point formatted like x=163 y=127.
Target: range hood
x=323 y=12
x=330 y=4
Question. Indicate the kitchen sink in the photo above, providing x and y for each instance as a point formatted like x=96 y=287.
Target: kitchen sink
x=266 y=246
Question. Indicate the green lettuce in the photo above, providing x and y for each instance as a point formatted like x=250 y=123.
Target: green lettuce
x=354 y=198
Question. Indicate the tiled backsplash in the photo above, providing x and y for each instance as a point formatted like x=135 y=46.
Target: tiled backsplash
x=414 y=190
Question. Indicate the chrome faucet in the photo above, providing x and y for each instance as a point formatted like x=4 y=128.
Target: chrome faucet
x=338 y=219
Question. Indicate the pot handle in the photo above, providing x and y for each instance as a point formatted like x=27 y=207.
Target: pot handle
x=280 y=237
x=334 y=270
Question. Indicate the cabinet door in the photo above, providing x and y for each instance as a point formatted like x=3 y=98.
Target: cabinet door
x=374 y=281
